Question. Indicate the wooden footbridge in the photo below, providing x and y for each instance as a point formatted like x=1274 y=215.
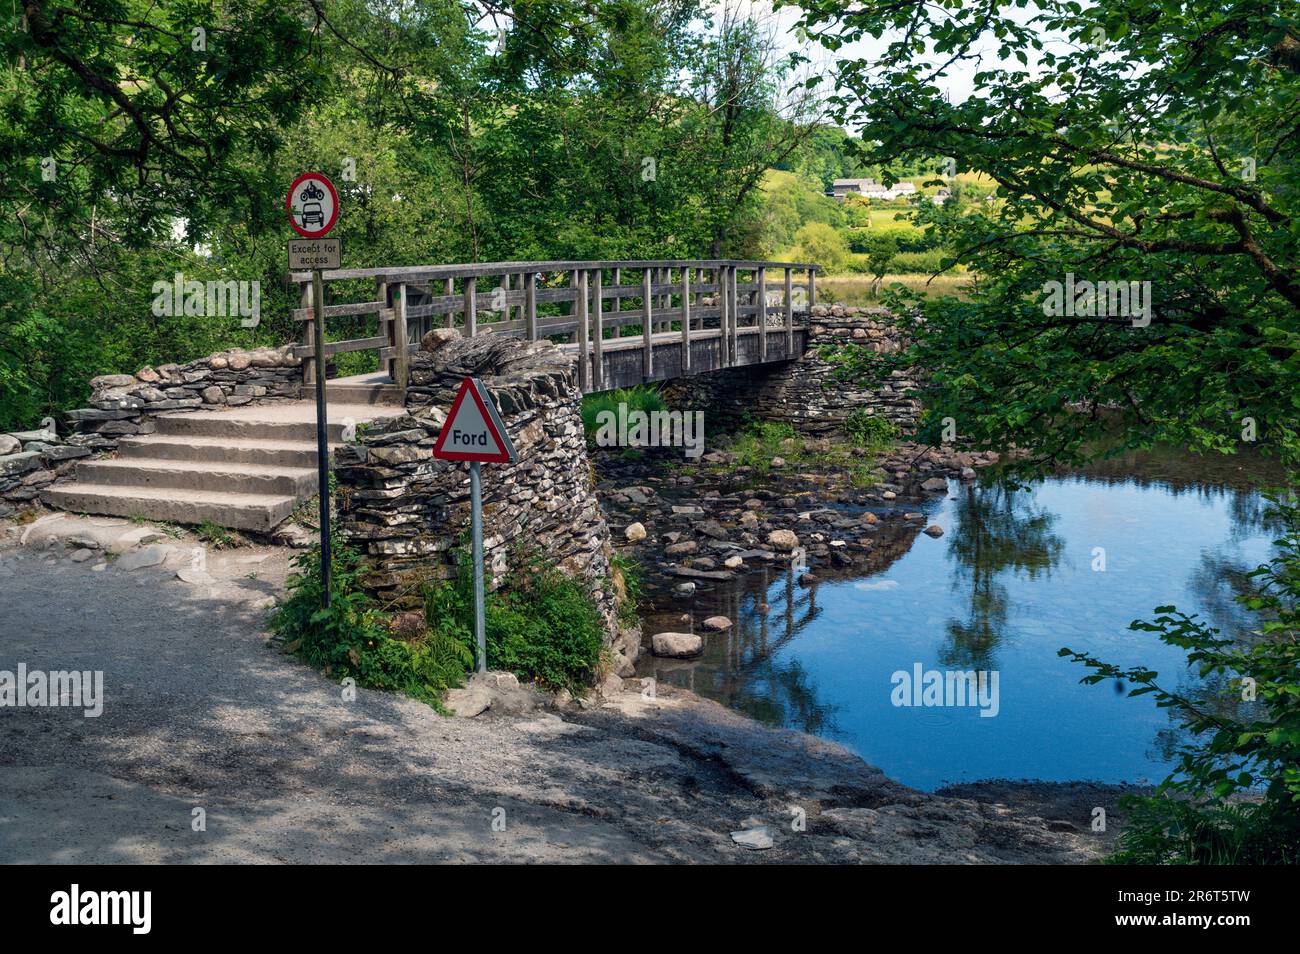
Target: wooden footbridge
x=629 y=321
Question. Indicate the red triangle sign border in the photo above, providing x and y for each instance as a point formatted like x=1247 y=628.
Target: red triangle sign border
x=502 y=453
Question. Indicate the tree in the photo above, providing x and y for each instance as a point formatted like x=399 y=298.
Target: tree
x=1130 y=143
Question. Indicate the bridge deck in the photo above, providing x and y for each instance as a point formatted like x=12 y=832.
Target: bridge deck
x=672 y=318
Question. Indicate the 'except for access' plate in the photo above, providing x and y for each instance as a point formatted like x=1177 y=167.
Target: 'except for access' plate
x=306 y=254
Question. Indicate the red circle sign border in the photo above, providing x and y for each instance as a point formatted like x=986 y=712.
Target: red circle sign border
x=288 y=205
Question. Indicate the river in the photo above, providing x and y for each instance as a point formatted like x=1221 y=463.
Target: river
x=1016 y=575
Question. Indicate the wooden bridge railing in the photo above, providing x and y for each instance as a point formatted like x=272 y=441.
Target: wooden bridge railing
x=587 y=306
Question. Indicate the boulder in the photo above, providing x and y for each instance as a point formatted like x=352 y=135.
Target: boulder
x=213 y=395
x=933 y=530
x=935 y=485
x=9 y=445
x=717 y=623
x=634 y=533
x=438 y=337
x=468 y=702
x=782 y=541
x=676 y=645
x=111 y=381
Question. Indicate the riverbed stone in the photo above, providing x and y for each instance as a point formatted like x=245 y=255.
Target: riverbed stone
x=635 y=532
x=933 y=530
x=755 y=839
x=783 y=541
x=934 y=485
x=676 y=645
x=717 y=623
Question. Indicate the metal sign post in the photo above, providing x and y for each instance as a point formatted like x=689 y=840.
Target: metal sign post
x=474 y=432
x=476 y=550
x=313 y=208
x=322 y=435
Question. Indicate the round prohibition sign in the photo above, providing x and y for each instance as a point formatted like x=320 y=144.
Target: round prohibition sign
x=312 y=205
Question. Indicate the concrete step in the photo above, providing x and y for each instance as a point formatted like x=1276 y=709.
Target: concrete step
x=285 y=422
x=221 y=476
x=177 y=447
x=258 y=512
x=355 y=394
x=241 y=467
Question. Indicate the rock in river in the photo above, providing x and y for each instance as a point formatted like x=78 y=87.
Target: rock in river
x=676 y=645
x=783 y=540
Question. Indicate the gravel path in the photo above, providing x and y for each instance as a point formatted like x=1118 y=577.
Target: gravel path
x=200 y=712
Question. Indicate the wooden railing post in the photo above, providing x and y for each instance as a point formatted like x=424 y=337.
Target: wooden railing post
x=598 y=332
x=735 y=314
x=530 y=305
x=386 y=325
x=686 y=318
x=812 y=289
x=471 y=307
x=449 y=289
x=584 y=366
x=618 y=280
x=789 y=312
x=401 y=354
x=647 y=323
x=762 y=314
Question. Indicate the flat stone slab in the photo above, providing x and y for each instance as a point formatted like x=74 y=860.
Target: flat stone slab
x=152 y=555
x=755 y=839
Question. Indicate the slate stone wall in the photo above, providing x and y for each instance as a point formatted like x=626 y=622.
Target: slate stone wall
x=806 y=392
x=408 y=511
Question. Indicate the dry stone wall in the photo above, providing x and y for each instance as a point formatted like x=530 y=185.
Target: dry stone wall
x=408 y=511
x=806 y=392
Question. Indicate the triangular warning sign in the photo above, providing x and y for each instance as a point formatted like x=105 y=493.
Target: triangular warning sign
x=473 y=429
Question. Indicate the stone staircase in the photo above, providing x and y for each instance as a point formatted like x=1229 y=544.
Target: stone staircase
x=245 y=468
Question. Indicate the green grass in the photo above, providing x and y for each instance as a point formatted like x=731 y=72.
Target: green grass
x=215 y=536
x=639 y=398
x=856 y=289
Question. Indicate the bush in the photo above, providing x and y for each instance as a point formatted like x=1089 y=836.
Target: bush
x=869 y=430
x=914 y=262
x=1235 y=795
x=354 y=639
x=640 y=398
x=823 y=244
x=627 y=575
x=540 y=624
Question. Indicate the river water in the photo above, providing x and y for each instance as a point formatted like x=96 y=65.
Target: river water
x=1017 y=575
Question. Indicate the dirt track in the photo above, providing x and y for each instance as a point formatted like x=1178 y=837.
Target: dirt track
x=201 y=712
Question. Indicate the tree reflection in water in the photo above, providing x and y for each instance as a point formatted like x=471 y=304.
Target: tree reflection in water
x=998 y=530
